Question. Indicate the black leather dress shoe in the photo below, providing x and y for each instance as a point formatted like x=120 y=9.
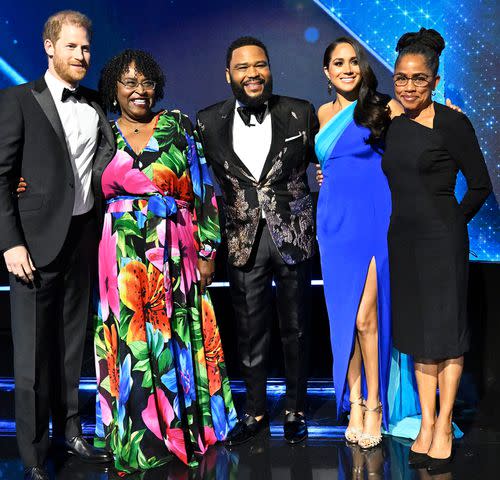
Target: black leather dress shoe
x=246 y=429
x=35 y=473
x=82 y=449
x=295 y=428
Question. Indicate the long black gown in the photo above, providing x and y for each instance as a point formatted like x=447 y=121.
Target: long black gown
x=428 y=238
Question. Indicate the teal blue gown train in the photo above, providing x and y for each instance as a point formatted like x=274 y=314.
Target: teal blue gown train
x=354 y=208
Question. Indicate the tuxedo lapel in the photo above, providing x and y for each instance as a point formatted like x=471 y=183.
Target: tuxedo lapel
x=44 y=98
x=279 y=125
x=226 y=137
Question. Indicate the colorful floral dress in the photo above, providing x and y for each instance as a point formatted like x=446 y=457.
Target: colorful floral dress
x=162 y=383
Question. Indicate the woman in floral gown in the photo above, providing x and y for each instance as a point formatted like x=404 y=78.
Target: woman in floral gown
x=162 y=384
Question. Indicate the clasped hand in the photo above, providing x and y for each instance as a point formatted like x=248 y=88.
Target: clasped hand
x=207 y=273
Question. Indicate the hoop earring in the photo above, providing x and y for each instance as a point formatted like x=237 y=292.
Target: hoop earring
x=330 y=87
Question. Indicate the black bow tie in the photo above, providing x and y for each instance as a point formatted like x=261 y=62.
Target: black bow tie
x=71 y=93
x=246 y=112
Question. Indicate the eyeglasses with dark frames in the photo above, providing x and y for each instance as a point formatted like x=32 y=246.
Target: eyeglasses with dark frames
x=132 y=84
x=417 y=80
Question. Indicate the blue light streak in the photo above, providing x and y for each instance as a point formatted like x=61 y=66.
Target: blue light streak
x=352 y=33
x=13 y=75
x=275 y=386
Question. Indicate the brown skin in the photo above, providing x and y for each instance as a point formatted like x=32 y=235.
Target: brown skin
x=136 y=110
x=435 y=436
x=417 y=101
x=136 y=113
x=249 y=67
x=345 y=75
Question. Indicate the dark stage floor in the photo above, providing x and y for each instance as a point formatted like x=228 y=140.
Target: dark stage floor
x=324 y=456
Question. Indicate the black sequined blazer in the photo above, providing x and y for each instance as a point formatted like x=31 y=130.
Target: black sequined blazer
x=282 y=191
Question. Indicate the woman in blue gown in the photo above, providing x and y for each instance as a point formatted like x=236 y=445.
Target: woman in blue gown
x=372 y=380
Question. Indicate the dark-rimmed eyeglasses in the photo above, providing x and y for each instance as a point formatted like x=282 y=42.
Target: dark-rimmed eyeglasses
x=417 y=80
x=132 y=84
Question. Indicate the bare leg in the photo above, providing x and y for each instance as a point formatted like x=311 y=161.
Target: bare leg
x=426 y=373
x=449 y=373
x=367 y=327
x=367 y=336
x=354 y=382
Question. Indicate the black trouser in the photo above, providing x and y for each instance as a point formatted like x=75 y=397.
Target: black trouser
x=49 y=319
x=252 y=295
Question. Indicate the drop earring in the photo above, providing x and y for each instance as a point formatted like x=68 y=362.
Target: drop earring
x=330 y=87
x=115 y=103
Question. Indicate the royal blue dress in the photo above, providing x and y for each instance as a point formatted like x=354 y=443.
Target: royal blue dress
x=354 y=209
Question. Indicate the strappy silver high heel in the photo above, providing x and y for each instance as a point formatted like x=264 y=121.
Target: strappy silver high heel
x=352 y=434
x=367 y=440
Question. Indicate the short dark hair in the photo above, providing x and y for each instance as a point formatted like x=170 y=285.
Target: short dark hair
x=244 y=42
x=426 y=42
x=118 y=65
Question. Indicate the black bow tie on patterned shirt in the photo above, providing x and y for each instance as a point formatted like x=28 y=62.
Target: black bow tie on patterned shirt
x=71 y=93
x=246 y=112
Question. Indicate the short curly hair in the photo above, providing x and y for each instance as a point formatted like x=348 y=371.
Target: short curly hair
x=118 y=65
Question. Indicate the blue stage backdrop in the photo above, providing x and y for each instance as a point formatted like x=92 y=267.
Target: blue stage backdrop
x=189 y=39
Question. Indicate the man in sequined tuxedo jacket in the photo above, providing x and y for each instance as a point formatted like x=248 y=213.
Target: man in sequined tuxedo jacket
x=259 y=146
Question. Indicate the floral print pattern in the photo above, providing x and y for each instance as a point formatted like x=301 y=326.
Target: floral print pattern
x=163 y=390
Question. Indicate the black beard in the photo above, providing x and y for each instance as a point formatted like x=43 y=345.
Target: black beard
x=242 y=97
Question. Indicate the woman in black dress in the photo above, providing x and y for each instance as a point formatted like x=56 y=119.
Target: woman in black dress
x=428 y=238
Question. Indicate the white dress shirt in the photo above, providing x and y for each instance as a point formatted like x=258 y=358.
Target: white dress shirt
x=80 y=122
x=252 y=143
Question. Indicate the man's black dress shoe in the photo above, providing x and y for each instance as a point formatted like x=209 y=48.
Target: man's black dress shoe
x=417 y=460
x=35 y=473
x=246 y=429
x=295 y=428
x=82 y=449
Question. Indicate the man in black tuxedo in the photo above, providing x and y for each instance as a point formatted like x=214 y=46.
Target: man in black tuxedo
x=54 y=134
x=259 y=146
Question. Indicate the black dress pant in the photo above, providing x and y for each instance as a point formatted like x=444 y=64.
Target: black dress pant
x=49 y=319
x=252 y=296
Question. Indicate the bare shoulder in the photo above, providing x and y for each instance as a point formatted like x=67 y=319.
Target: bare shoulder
x=325 y=113
x=395 y=108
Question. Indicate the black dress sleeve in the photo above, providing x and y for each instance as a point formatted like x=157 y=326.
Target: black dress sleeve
x=462 y=144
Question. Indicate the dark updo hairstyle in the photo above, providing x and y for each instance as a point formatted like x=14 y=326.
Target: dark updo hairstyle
x=426 y=42
x=371 y=110
x=118 y=65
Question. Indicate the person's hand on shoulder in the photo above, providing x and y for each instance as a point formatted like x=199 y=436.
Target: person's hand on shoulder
x=319 y=174
x=21 y=186
x=452 y=106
